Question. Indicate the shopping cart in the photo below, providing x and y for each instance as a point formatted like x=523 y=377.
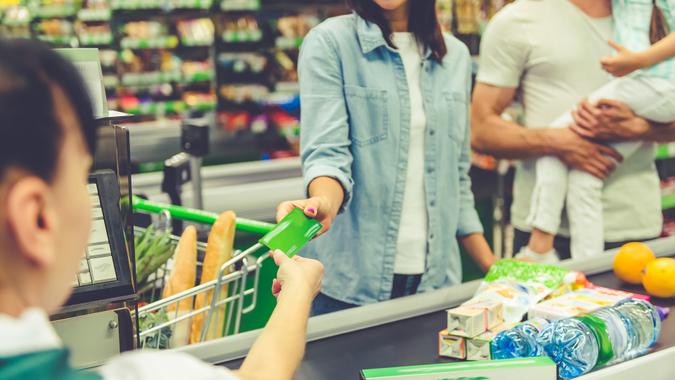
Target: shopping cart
x=289 y=236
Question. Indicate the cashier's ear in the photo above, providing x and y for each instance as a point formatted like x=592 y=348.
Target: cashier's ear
x=31 y=220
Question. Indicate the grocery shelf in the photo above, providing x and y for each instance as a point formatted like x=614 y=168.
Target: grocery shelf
x=169 y=42
x=668 y=201
x=54 y=11
x=665 y=151
x=94 y=14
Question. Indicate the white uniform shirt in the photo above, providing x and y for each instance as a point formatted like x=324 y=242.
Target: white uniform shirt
x=411 y=247
x=32 y=332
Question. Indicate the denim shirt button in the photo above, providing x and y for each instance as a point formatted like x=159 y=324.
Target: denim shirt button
x=431 y=237
x=430 y=170
x=432 y=203
x=432 y=132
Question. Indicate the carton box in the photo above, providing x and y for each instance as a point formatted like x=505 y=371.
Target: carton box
x=540 y=368
x=451 y=346
x=494 y=311
x=576 y=303
x=467 y=321
x=478 y=348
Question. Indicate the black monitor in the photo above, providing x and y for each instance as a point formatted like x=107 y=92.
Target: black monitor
x=105 y=270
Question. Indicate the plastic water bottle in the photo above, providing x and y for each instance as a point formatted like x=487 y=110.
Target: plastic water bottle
x=603 y=337
x=520 y=341
x=644 y=325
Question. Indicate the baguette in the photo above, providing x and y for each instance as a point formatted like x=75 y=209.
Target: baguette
x=182 y=277
x=219 y=249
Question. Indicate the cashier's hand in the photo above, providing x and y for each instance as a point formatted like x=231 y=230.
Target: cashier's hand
x=608 y=120
x=297 y=275
x=319 y=208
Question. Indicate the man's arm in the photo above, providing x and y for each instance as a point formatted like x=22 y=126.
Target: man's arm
x=508 y=140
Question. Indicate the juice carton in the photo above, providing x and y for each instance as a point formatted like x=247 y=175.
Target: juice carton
x=451 y=346
x=576 y=303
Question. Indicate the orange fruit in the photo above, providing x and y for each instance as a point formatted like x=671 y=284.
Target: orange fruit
x=659 y=278
x=631 y=260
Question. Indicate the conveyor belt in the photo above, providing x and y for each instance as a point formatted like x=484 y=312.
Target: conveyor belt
x=412 y=341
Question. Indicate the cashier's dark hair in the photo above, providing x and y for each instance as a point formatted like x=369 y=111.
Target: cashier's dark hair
x=31 y=136
x=422 y=23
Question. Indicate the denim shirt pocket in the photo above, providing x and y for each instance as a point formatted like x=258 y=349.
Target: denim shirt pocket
x=454 y=114
x=368 y=116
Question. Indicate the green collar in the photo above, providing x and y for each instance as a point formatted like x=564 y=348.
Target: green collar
x=46 y=365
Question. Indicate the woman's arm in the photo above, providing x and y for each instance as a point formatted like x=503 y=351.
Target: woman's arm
x=325 y=142
x=660 y=51
x=479 y=250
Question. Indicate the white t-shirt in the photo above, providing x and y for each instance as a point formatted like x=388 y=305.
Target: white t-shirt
x=411 y=247
x=551 y=50
x=32 y=332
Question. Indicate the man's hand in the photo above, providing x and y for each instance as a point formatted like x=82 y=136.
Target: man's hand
x=624 y=62
x=608 y=120
x=319 y=208
x=583 y=154
x=297 y=275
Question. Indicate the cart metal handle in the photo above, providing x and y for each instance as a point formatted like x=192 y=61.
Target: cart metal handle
x=198 y=216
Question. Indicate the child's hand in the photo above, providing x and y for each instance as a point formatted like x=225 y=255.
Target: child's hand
x=624 y=63
x=297 y=274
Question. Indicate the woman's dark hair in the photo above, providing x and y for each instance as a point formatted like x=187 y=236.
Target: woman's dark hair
x=422 y=22
x=658 y=27
x=31 y=135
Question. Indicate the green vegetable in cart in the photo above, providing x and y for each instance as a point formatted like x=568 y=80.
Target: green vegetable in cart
x=153 y=249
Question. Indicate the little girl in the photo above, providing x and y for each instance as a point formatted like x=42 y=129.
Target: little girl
x=644 y=71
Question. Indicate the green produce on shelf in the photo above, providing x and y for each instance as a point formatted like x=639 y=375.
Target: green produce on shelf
x=167 y=42
x=94 y=14
x=96 y=39
x=665 y=151
x=240 y=5
x=56 y=40
x=201 y=76
x=54 y=11
x=153 y=108
x=288 y=42
x=137 y=4
x=150 y=78
x=192 y=4
x=242 y=36
x=668 y=201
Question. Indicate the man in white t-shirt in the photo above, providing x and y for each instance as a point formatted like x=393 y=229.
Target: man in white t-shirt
x=546 y=53
x=47 y=143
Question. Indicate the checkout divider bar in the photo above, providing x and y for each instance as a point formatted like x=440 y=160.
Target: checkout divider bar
x=198 y=216
x=360 y=318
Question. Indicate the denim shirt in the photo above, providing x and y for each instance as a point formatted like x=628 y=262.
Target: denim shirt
x=355 y=127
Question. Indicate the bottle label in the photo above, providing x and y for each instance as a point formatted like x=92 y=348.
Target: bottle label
x=599 y=330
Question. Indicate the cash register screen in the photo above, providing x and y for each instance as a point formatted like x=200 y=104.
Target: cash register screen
x=104 y=269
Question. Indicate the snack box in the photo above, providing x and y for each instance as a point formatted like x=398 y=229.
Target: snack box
x=576 y=303
x=478 y=348
x=451 y=346
x=540 y=368
x=472 y=319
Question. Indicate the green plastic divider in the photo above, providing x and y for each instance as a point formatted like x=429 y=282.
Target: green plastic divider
x=198 y=216
x=668 y=201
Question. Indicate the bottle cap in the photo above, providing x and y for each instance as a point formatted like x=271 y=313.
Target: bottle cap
x=663 y=312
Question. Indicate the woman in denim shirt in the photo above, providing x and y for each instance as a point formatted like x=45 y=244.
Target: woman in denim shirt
x=385 y=153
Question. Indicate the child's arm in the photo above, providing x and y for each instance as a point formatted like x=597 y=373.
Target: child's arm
x=627 y=61
x=479 y=250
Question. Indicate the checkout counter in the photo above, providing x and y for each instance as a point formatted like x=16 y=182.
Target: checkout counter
x=404 y=332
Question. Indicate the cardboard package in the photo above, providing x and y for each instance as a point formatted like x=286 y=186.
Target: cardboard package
x=540 y=368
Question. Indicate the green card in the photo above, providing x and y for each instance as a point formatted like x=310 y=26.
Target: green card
x=292 y=233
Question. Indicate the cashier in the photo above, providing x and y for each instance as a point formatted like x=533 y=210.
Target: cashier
x=385 y=153
x=47 y=136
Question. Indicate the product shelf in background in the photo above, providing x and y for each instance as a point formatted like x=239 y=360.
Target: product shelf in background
x=94 y=14
x=192 y=4
x=150 y=78
x=137 y=4
x=55 y=11
x=101 y=39
x=240 y=5
x=57 y=40
x=167 y=42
